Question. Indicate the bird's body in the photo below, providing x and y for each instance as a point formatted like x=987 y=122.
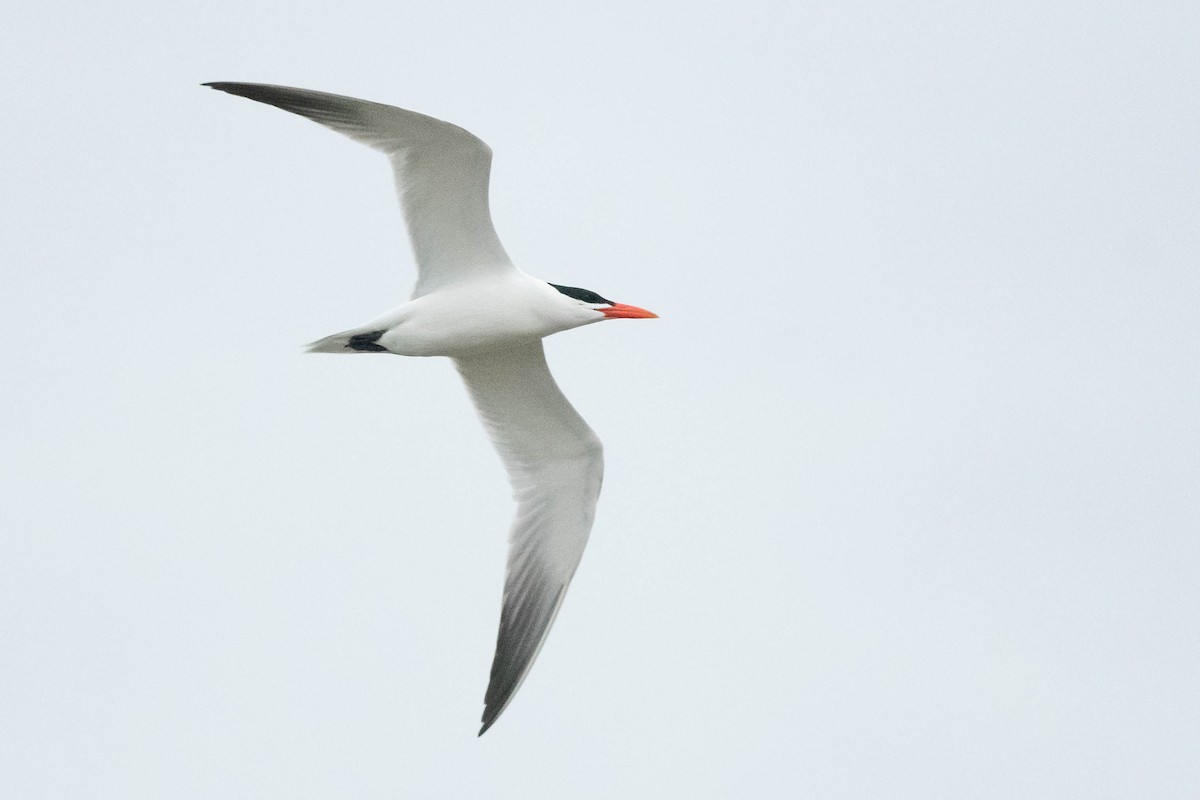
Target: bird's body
x=485 y=313
x=473 y=305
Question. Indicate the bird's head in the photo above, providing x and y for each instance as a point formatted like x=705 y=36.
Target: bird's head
x=589 y=302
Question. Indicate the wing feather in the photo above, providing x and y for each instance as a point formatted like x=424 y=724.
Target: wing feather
x=442 y=174
x=555 y=463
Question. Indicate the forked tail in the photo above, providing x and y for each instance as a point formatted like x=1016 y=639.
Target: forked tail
x=356 y=341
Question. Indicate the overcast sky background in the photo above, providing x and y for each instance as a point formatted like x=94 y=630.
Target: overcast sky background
x=902 y=490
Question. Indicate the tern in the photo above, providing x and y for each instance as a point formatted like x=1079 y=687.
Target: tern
x=473 y=305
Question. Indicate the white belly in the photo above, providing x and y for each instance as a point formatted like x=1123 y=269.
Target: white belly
x=474 y=317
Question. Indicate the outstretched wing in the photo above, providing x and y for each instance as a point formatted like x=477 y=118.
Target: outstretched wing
x=442 y=174
x=555 y=463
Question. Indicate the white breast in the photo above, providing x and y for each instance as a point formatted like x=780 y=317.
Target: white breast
x=475 y=316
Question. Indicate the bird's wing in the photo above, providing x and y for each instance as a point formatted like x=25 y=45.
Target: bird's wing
x=555 y=463
x=441 y=170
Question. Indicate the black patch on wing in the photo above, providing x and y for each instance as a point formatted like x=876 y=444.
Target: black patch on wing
x=328 y=109
x=531 y=600
x=582 y=294
x=366 y=342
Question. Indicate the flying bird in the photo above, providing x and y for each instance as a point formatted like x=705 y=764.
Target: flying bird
x=473 y=305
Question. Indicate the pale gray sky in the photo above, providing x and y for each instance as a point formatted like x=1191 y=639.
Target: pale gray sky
x=901 y=498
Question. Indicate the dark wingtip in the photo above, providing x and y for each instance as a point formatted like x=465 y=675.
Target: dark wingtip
x=240 y=89
x=253 y=91
x=491 y=713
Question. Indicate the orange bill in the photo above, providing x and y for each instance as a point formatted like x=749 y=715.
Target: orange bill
x=622 y=311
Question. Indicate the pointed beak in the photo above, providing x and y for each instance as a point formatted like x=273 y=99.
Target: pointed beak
x=622 y=311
